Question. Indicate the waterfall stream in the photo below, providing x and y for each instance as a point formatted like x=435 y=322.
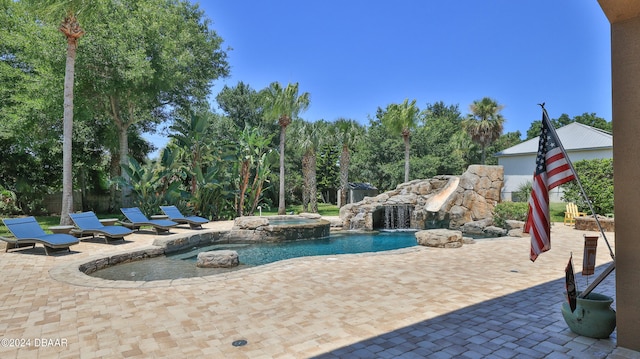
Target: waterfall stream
x=397 y=216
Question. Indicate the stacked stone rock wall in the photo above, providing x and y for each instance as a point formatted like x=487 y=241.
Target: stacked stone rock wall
x=439 y=202
x=259 y=229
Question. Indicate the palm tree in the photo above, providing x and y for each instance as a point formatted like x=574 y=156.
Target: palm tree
x=70 y=27
x=485 y=122
x=401 y=119
x=310 y=136
x=348 y=134
x=283 y=104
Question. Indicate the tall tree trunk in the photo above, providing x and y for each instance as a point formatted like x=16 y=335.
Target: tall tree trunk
x=114 y=166
x=83 y=190
x=281 y=205
x=313 y=184
x=345 y=158
x=67 y=134
x=123 y=150
x=244 y=183
x=256 y=190
x=196 y=164
x=306 y=187
x=406 y=158
x=124 y=161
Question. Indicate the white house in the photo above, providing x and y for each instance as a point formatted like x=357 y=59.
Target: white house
x=581 y=142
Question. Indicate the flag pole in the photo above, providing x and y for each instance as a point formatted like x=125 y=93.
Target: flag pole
x=584 y=194
x=612 y=266
x=599 y=279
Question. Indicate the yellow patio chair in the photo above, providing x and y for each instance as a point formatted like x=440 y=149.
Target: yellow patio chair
x=571 y=213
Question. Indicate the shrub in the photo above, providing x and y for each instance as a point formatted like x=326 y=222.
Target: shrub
x=523 y=192
x=8 y=202
x=596 y=177
x=510 y=211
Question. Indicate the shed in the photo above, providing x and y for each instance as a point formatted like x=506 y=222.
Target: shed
x=359 y=190
x=581 y=142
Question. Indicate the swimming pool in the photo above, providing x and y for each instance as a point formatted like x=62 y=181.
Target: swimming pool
x=182 y=265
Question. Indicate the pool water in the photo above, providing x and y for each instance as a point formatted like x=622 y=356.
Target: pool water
x=182 y=265
x=263 y=253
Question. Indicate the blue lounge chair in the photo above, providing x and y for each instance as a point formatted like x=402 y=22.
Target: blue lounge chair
x=175 y=215
x=89 y=224
x=27 y=232
x=137 y=219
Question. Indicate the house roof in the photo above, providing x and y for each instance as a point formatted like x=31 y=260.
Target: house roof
x=361 y=186
x=574 y=137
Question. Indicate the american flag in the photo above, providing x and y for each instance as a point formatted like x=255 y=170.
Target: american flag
x=552 y=170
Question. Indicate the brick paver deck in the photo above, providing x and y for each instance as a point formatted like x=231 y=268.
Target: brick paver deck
x=482 y=300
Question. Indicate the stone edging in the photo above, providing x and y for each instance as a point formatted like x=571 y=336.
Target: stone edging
x=74 y=273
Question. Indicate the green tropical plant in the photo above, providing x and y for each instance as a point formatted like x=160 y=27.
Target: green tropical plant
x=310 y=136
x=192 y=136
x=402 y=119
x=283 y=104
x=327 y=171
x=523 y=192
x=485 y=123
x=255 y=161
x=213 y=199
x=150 y=185
x=348 y=133
x=262 y=173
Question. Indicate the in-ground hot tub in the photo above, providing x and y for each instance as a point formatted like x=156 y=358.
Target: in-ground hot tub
x=278 y=228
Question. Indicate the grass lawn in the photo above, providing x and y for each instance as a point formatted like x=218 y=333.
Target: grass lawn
x=324 y=209
x=556 y=210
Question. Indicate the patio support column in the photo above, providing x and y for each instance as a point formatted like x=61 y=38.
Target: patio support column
x=624 y=16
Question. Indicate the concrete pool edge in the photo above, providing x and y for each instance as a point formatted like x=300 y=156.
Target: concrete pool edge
x=77 y=272
x=72 y=272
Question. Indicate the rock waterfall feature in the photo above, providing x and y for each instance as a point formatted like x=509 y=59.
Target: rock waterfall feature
x=443 y=201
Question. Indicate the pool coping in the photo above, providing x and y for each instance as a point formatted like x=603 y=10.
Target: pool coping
x=74 y=272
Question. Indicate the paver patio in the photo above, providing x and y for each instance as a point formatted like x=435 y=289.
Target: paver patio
x=482 y=300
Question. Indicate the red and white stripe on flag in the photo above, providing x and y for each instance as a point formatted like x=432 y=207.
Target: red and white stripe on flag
x=552 y=170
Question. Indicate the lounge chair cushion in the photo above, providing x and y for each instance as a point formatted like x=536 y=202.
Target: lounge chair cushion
x=88 y=223
x=26 y=230
x=175 y=215
x=137 y=219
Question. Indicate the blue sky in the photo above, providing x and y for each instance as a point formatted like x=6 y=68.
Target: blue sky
x=354 y=56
